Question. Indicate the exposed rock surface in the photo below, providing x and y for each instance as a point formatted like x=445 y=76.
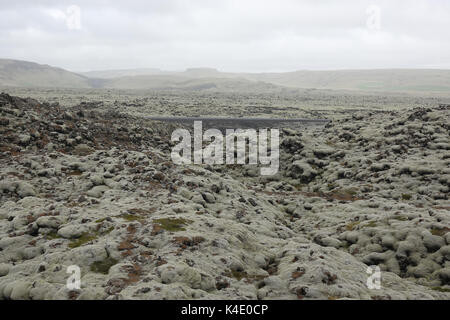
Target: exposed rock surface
x=98 y=190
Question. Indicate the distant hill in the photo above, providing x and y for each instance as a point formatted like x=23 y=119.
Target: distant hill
x=383 y=80
x=187 y=82
x=203 y=73
x=190 y=72
x=17 y=73
x=387 y=80
x=418 y=81
x=110 y=74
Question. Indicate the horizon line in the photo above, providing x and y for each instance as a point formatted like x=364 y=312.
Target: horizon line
x=186 y=69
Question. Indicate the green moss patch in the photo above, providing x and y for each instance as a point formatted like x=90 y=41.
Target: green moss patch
x=52 y=235
x=439 y=232
x=406 y=196
x=108 y=231
x=88 y=237
x=331 y=186
x=440 y=289
x=85 y=238
x=352 y=225
x=238 y=275
x=103 y=266
x=172 y=224
x=138 y=211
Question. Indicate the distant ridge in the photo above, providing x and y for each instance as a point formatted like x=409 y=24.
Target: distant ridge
x=110 y=74
x=16 y=73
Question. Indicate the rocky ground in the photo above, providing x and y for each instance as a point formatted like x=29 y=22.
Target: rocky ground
x=97 y=189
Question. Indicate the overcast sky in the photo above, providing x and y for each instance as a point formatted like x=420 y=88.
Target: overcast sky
x=230 y=35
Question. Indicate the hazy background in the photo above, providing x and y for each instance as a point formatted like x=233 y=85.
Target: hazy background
x=231 y=35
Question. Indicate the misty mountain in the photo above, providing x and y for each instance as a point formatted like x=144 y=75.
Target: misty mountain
x=28 y=74
x=110 y=74
x=187 y=82
x=418 y=81
x=383 y=80
x=190 y=72
x=15 y=73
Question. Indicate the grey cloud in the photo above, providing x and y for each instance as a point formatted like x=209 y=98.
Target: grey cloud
x=231 y=35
